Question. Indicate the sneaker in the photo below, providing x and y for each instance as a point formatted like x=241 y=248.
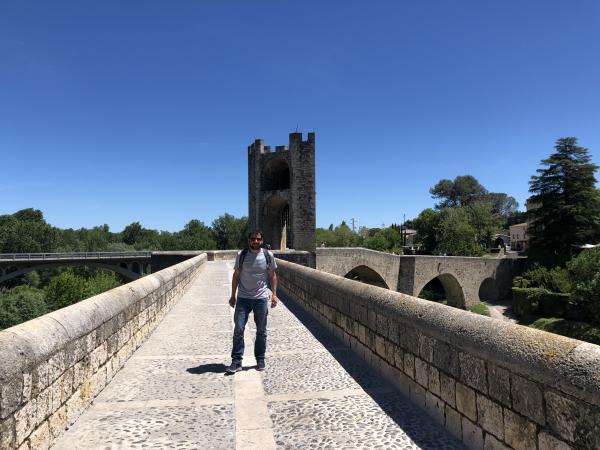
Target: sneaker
x=260 y=364
x=234 y=367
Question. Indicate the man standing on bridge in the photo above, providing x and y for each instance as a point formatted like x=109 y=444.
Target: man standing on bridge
x=253 y=266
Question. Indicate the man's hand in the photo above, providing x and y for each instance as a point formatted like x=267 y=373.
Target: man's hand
x=232 y=301
x=274 y=301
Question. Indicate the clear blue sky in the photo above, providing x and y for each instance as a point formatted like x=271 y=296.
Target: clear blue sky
x=112 y=112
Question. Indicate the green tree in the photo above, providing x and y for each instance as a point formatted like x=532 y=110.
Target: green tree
x=20 y=304
x=565 y=205
x=427 y=224
x=484 y=222
x=66 y=289
x=463 y=190
x=26 y=231
x=229 y=232
x=131 y=233
x=195 y=236
x=385 y=240
x=456 y=236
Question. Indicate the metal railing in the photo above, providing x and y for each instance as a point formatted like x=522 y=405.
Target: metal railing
x=77 y=255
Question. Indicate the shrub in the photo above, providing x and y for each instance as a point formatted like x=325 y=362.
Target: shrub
x=480 y=308
x=526 y=301
x=556 y=279
x=553 y=304
x=585 y=274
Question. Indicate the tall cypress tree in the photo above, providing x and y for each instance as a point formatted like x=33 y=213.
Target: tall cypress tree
x=565 y=205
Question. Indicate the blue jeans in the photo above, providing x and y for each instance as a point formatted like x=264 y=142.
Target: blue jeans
x=243 y=307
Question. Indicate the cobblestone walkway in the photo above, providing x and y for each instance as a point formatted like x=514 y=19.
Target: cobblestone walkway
x=173 y=392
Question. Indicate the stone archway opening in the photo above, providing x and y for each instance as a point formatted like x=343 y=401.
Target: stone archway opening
x=275 y=175
x=488 y=291
x=366 y=275
x=277 y=224
x=445 y=289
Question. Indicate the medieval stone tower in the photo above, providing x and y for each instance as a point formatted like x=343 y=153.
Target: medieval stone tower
x=281 y=192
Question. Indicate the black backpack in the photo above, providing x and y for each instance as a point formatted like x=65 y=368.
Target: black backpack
x=245 y=252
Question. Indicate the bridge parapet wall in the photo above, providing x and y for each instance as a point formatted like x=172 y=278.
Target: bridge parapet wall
x=490 y=383
x=53 y=366
x=341 y=260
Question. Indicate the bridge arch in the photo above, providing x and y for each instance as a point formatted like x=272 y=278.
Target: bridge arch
x=454 y=292
x=488 y=290
x=130 y=275
x=365 y=274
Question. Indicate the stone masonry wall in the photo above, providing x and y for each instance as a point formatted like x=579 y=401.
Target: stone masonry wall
x=52 y=367
x=492 y=384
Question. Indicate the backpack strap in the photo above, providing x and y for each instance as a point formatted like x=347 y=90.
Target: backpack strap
x=267 y=257
x=242 y=257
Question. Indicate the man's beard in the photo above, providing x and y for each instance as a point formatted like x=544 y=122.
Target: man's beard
x=254 y=246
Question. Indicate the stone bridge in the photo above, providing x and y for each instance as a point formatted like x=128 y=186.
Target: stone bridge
x=348 y=365
x=466 y=281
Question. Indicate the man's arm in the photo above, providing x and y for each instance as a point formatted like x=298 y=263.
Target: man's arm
x=273 y=282
x=235 y=280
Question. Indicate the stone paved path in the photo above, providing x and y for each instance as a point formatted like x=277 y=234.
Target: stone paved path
x=173 y=392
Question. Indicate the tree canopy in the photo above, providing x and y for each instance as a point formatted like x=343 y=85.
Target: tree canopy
x=565 y=205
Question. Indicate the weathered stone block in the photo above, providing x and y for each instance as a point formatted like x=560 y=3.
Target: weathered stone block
x=472 y=435
x=445 y=358
x=409 y=340
x=393 y=332
x=10 y=396
x=453 y=422
x=56 y=366
x=44 y=405
x=527 y=399
x=57 y=422
x=473 y=371
x=548 y=442
x=7 y=433
x=448 y=389
x=434 y=407
x=489 y=416
x=434 y=381
x=409 y=365
x=466 y=401
x=361 y=333
x=25 y=419
x=426 y=345
x=382 y=325
x=499 y=384
x=398 y=357
x=67 y=385
x=27 y=385
x=491 y=443
x=40 y=438
x=519 y=433
x=421 y=372
x=573 y=421
x=380 y=346
x=417 y=394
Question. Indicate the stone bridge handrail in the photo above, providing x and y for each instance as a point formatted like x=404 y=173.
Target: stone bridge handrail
x=75 y=255
x=53 y=366
x=487 y=374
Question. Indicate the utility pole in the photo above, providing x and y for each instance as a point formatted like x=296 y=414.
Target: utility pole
x=403 y=230
x=353 y=229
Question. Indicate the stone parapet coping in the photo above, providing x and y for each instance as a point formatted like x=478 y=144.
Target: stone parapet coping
x=491 y=383
x=53 y=366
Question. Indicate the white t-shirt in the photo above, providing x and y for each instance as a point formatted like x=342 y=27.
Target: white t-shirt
x=254 y=275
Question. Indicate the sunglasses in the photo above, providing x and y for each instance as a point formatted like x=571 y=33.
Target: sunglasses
x=256 y=239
